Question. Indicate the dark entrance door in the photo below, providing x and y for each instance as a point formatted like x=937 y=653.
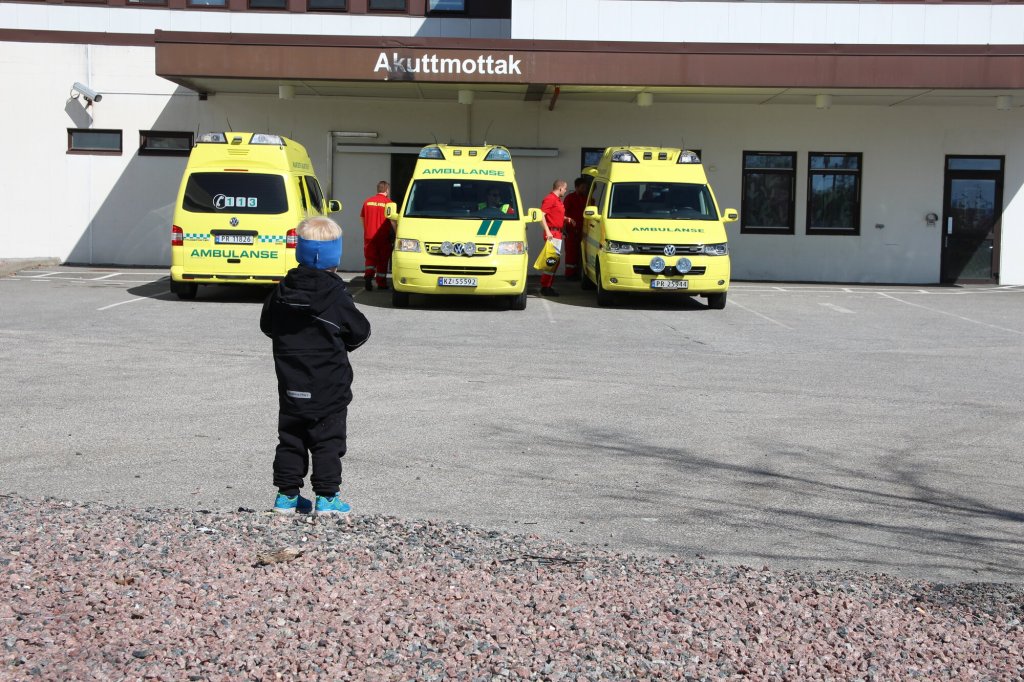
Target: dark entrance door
x=402 y=166
x=973 y=206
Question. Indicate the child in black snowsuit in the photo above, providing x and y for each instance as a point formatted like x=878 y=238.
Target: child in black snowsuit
x=314 y=323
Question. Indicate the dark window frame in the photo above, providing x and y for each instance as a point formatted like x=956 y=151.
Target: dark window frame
x=854 y=230
x=316 y=193
x=584 y=151
x=602 y=187
x=447 y=12
x=97 y=151
x=145 y=135
x=281 y=7
x=791 y=172
x=404 y=9
x=146 y=3
x=310 y=8
x=195 y=4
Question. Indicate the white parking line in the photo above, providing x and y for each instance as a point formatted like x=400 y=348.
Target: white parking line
x=547 y=309
x=113 y=274
x=134 y=300
x=754 y=312
x=959 y=317
x=837 y=308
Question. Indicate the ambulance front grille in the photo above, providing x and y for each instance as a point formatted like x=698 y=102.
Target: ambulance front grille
x=455 y=270
x=434 y=249
x=659 y=249
x=669 y=271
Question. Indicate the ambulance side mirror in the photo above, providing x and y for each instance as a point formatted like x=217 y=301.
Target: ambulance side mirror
x=333 y=206
x=390 y=210
x=591 y=212
x=731 y=215
x=533 y=215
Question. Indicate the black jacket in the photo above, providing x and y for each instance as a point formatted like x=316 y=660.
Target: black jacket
x=314 y=324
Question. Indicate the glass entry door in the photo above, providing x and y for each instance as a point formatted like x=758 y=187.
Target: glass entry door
x=970 y=225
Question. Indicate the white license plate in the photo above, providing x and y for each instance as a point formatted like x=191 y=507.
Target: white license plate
x=456 y=281
x=233 y=239
x=669 y=284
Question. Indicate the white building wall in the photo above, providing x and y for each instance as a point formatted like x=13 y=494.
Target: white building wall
x=768 y=22
x=117 y=209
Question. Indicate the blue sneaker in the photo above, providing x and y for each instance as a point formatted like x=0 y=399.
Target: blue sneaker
x=332 y=505
x=289 y=505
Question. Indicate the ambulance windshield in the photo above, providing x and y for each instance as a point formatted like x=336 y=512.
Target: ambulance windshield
x=664 y=200
x=235 y=193
x=462 y=199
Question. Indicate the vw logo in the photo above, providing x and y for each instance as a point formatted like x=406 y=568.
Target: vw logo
x=234 y=222
x=670 y=249
x=459 y=248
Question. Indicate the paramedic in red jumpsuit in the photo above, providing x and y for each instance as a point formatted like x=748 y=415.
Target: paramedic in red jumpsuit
x=378 y=240
x=574 y=205
x=554 y=219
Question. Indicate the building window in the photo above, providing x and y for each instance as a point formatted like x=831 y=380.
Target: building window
x=446 y=6
x=207 y=3
x=327 y=5
x=89 y=141
x=833 y=193
x=769 y=193
x=164 y=143
x=590 y=156
x=268 y=4
x=153 y=3
x=386 y=5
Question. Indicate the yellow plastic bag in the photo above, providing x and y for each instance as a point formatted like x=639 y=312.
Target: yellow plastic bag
x=550 y=256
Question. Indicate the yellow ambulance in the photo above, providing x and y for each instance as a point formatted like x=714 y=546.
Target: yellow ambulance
x=461 y=228
x=240 y=200
x=652 y=224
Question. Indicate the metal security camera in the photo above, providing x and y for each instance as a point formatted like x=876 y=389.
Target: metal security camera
x=85 y=91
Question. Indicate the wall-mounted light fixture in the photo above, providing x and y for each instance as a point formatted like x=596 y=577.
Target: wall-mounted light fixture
x=823 y=101
x=285 y=91
x=465 y=96
x=644 y=99
x=354 y=133
x=1004 y=102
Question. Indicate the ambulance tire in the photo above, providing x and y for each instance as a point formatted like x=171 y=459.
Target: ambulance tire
x=186 y=291
x=399 y=299
x=517 y=302
x=586 y=283
x=717 y=301
x=605 y=298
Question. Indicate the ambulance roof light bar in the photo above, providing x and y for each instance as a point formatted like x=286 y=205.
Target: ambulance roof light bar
x=265 y=138
x=688 y=157
x=431 y=153
x=215 y=138
x=498 y=154
x=624 y=156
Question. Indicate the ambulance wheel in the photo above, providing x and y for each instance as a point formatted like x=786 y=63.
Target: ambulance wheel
x=399 y=299
x=517 y=302
x=717 y=301
x=605 y=298
x=186 y=291
x=586 y=283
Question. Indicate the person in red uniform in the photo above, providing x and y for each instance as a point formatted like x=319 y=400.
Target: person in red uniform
x=378 y=239
x=574 y=204
x=553 y=222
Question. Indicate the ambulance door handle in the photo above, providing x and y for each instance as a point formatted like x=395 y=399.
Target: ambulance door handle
x=949 y=225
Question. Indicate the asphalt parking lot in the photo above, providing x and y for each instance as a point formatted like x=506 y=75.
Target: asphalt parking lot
x=875 y=428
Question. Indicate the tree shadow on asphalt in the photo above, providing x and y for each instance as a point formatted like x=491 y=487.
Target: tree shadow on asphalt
x=890 y=519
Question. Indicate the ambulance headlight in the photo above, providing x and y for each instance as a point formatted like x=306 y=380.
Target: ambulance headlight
x=409 y=245
x=213 y=138
x=684 y=265
x=618 y=247
x=264 y=138
x=657 y=265
x=716 y=249
x=469 y=248
x=447 y=248
x=511 y=248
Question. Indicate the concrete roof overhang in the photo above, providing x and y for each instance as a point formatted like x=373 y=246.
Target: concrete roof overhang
x=436 y=69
